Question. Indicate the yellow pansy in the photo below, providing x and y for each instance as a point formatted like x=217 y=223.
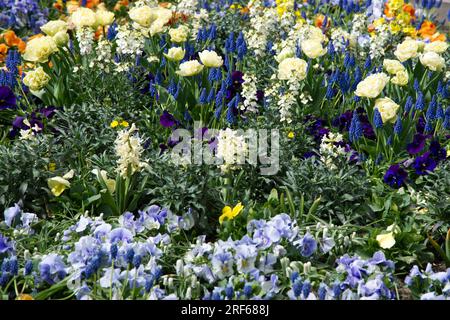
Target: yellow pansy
x=114 y=124
x=229 y=213
x=24 y=296
x=51 y=166
x=124 y=124
x=386 y=240
x=378 y=22
x=58 y=184
x=291 y=135
x=395 y=27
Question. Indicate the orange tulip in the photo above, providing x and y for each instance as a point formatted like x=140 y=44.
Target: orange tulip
x=12 y=40
x=409 y=9
x=318 y=22
x=90 y=3
x=120 y=4
x=428 y=30
x=387 y=11
x=3 y=51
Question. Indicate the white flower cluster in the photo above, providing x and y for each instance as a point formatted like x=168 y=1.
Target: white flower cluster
x=129 y=148
x=379 y=42
x=249 y=91
x=103 y=56
x=263 y=23
x=339 y=39
x=231 y=148
x=85 y=38
x=198 y=20
x=129 y=41
x=187 y=6
x=329 y=151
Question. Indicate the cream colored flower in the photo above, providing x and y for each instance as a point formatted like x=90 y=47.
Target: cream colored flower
x=36 y=79
x=436 y=46
x=175 y=54
x=372 y=86
x=387 y=108
x=406 y=50
x=313 y=49
x=39 y=49
x=190 y=68
x=210 y=59
x=61 y=38
x=104 y=17
x=102 y=176
x=143 y=15
x=83 y=17
x=157 y=27
x=386 y=240
x=393 y=66
x=58 y=184
x=179 y=34
x=432 y=61
x=401 y=78
x=285 y=53
x=53 y=27
x=292 y=68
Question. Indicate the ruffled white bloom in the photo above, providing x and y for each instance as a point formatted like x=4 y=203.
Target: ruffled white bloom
x=372 y=86
x=210 y=59
x=53 y=27
x=432 y=61
x=83 y=17
x=190 y=68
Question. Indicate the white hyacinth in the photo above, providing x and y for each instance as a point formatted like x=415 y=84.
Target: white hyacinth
x=231 y=148
x=129 y=149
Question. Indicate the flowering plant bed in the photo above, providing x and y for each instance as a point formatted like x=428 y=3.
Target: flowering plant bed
x=221 y=150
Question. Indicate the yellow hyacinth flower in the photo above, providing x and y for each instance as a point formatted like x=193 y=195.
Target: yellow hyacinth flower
x=229 y=213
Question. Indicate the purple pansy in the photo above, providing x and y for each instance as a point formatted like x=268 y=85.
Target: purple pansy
x=7 y=98
x=395 y=176
x=424 y=164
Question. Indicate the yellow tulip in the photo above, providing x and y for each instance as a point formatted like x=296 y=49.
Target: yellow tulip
x=229 y=213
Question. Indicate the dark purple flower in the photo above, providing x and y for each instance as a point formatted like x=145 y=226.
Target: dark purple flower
x=309 y=154
x=236 y=84
x=417 y=144
x=343 y=121
x=395 y=176
x=48 y=112
x=424 y=164
x=7 y=98
x=259 y=96
x=167 y=120
x=420 y=126
x=439 y=153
